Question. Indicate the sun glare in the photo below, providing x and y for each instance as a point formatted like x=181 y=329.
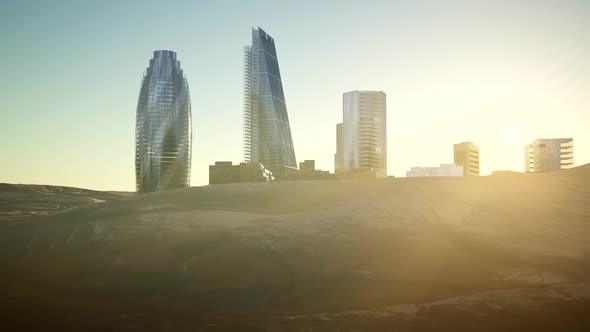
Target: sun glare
x=512 y=135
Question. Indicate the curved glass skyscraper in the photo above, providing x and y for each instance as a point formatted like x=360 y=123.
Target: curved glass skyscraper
x=163 y=130
x=267 y=134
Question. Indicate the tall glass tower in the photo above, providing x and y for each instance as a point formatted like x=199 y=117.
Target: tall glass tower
x=362 y=139
x=163 y=129
x=267 y=134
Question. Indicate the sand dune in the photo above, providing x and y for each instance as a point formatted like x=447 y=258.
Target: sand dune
x=19 y=201
x=316 y=255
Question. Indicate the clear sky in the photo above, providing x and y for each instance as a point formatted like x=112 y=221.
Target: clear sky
x=498 y=73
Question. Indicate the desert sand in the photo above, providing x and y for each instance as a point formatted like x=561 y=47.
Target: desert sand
x=506 y=252
x=19 y=201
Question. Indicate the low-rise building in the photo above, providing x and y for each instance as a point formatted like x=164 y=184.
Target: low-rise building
x=307 y=171
x=442 y=170
x=226 y=172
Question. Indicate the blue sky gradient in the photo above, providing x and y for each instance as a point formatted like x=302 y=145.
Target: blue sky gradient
x=499 y=73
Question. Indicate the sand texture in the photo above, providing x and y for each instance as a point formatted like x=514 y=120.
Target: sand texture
x=508 y=252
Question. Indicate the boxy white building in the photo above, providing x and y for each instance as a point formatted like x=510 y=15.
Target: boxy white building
x=442 y=170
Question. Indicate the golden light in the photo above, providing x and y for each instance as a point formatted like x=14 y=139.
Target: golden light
x=512 y=135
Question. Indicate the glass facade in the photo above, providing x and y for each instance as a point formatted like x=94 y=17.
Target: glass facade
x=267 y=134
x=163 y=129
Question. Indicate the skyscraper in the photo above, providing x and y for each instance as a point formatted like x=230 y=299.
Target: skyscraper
x=546 y=155
x=163 y=134
x=364 y=132
x=267 y=134
x=466 y=154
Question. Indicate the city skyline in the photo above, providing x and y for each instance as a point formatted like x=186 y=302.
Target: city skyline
x=497 y=74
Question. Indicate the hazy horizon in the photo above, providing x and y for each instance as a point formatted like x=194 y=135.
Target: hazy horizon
x=499 y=74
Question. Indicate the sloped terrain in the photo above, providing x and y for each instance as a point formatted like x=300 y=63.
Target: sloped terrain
x=404 y=254
x=18 y=201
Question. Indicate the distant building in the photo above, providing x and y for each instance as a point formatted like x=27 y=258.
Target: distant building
x=362 y=140
x=307 y=166
x=267 y=133
x=546 y=155
x=226 y=172
x=163 y=133
x=442 y=170
x=307 y=171
x=466 y=154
